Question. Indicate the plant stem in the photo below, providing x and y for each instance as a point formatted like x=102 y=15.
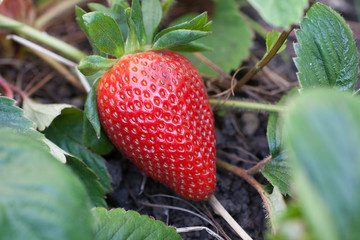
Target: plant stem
x=37 y=35
x=249 y=105
x=244 y=174
x=256 y=168
x=7 y=89
x=265 y=60
x=220 y=210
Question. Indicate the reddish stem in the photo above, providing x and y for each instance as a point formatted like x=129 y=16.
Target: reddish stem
x=256 y=168
x=5 y=86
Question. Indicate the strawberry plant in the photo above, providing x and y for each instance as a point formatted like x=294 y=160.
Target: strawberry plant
x=156 y=91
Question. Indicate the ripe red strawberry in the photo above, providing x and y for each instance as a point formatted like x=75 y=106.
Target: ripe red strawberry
x=154 y=107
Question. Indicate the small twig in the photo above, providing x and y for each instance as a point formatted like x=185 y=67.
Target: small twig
x=256 y=168
x=220 y=210
x=199 y=228
x=40 y=84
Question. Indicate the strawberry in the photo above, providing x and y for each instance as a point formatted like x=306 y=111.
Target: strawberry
x=154 y=108
x=152 y=102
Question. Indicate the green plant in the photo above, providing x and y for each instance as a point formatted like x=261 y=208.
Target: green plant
x=52 y=156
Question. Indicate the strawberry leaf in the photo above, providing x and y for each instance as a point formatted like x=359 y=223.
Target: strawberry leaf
x=89 y=179
x=132 y=42
x=197 y=23
x=152 y=15
x=66 y=132
x=322 y=132
x=279 y=13
x=191 y=47
x=137 y=18
x=178 y=37
x=230 y=39
x=327 y=54
x=100 y=145
x=105 y=33
x=132 y=225
x=271 y=38
x=42 y=114
x=92 y=64
x=79 y=13
x=39 y=193
x=91 y=111
x=116 y=11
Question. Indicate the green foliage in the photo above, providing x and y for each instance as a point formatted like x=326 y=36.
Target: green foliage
x=39 y=196
x=94 y=63
x=104 y=33
x=152 y=15
x=91 y=108
x=322 y=136
x=279 y=13
x=132 y=225
x=271 y=38
x=66 y=132
x=230 y=39
x=327 y=54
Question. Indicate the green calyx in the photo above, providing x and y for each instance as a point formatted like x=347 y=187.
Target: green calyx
x=120 y=30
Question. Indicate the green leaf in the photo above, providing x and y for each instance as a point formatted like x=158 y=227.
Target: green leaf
x=191 y=22
x=271 y=38
x=12 y=116
x=132 y=42
x=152 y=15
x=105 y=33
x=178 y=37
x=326 y=51
x=92 y=64
x=230 y=40
x=40 y=197
x=276 y=207
x=132 y=225
x=278 y=172
x=42 y=114
x=79 y=13
x=137 y=18
x=279 y=13
x=191 y=47
x=89 y=179
x=66 y=132
x=322 y=137
x=116 y=12
x=91 y=108
x=100 y=145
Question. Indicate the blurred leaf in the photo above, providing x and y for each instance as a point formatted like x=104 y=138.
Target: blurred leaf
x=276 y=207
x=100 y=145
x=191 y=47
x=323 y=134
x=327 y=54
x=66 y=132
x=105 y=33
x=178 y=37
x=278 y=172
x=152 y=15
x=39 y=196
x=91 y=108
x=280 y=13
x=271 y=38
x=90 y=181
x=93 y=64
x=132 y=225
x=42 y=114
x=230 y=39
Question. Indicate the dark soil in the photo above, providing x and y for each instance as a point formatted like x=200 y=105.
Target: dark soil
x=235 y=131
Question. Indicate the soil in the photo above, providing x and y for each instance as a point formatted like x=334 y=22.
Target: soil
x=236 y=131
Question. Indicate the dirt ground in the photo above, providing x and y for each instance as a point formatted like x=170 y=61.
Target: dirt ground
x=235 y=132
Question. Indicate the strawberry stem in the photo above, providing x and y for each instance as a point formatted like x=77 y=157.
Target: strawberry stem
x=4 y=85
x=37 y=35
x=220 y=210
x=248 y=105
